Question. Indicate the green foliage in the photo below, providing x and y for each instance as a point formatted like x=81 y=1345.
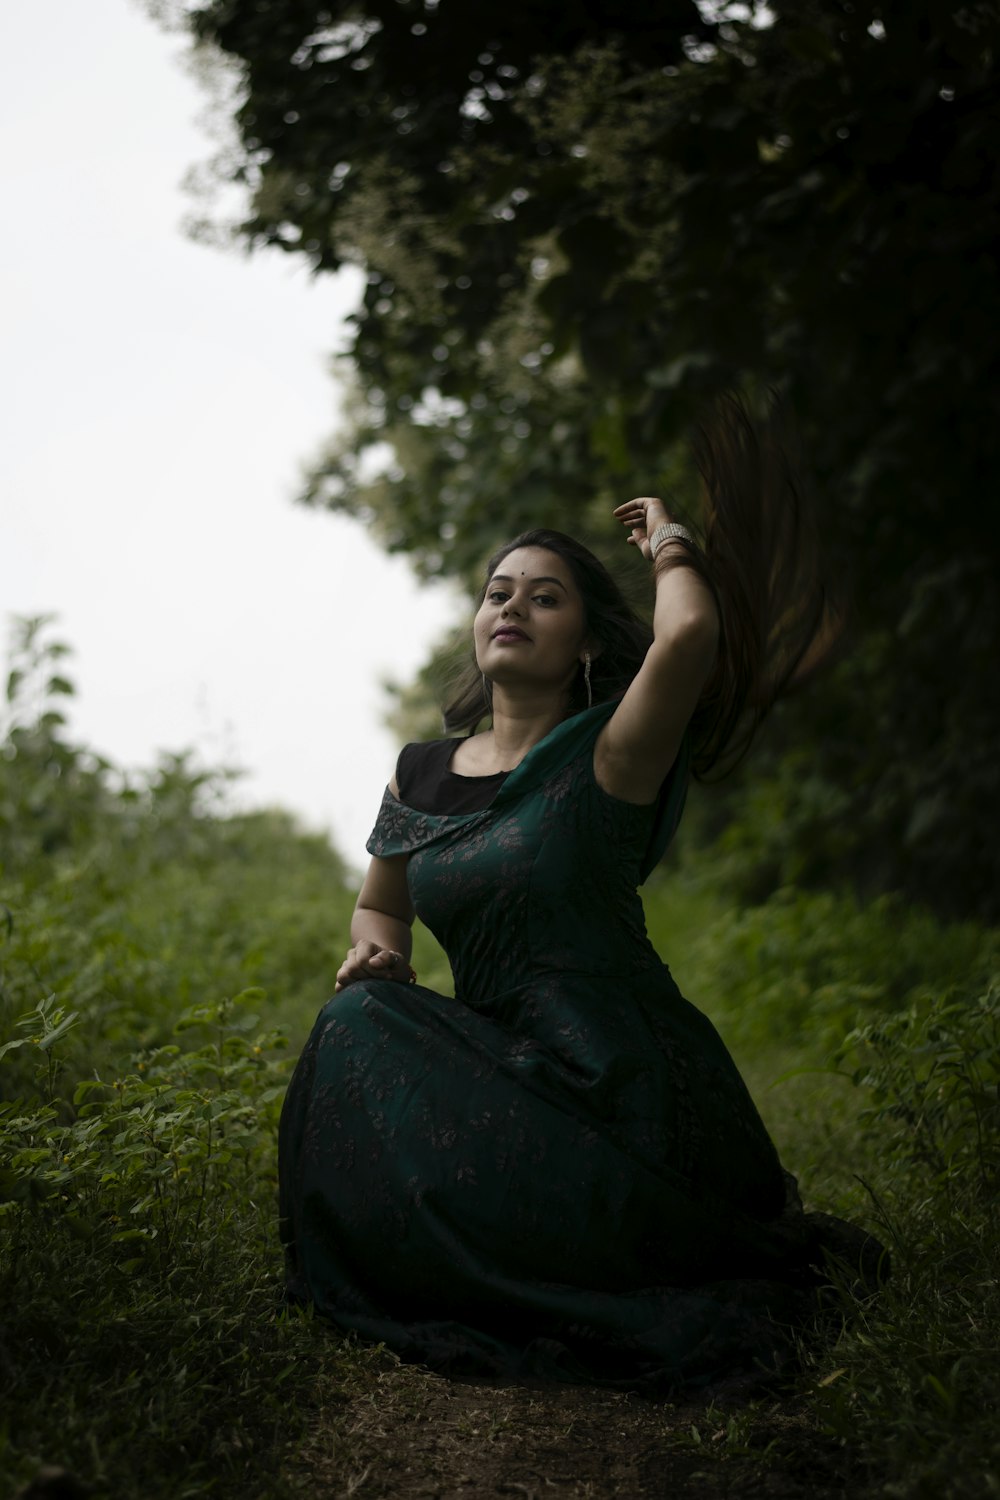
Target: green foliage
x=933 y=1073
x=52 y=794
x=595 y=214
x=884 y=772
x=139 y=1255
x=153 y=953
x=913 y=1384
x=130 y=898
x=871 y=1036
x=141 y=1154
x=580 y=222
x=797 y=970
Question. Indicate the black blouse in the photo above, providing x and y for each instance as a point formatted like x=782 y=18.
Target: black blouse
x=425 y=782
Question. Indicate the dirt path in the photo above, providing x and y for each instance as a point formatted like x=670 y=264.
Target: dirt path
x=412 y=1434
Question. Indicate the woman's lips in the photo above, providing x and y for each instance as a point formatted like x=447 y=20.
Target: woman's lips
x=509 y=635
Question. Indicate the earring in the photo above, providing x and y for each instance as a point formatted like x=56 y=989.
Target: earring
x=586 y=678
x=487 y=695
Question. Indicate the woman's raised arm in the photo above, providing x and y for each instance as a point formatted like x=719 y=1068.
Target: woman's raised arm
x=639 y=744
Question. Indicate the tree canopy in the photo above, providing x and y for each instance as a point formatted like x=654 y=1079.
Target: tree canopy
x=578 y=223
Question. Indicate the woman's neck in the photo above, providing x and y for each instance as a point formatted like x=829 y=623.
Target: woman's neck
x=518 y=725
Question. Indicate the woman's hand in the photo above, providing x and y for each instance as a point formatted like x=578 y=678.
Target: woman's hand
x=368 y=961
x=642 y=516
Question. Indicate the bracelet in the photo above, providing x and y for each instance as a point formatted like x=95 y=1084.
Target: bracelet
x=669 y=532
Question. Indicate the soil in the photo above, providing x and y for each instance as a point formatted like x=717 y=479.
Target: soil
x=413 y=1434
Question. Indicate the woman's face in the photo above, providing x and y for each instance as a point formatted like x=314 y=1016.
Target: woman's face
x=530 y=628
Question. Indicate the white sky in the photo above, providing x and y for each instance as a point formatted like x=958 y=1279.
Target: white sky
x=158 y=400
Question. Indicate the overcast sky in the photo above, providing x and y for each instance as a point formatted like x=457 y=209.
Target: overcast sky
x=159 y=399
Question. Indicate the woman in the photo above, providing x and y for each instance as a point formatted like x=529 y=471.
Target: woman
x=559 y=1170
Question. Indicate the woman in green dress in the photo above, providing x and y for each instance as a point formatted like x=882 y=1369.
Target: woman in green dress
x=559 y=1170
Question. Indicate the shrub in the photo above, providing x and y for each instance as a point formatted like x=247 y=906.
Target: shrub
x=798 y=971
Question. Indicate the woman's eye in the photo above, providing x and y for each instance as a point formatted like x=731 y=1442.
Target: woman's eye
x=545 y=599
x=496 y=596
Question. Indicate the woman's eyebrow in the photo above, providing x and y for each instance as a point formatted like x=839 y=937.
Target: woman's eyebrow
x=506 y=578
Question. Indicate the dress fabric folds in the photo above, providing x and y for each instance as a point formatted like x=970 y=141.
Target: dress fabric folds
x=558 y=1171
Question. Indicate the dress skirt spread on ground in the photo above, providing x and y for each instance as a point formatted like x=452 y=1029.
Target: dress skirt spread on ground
x=559 y=1171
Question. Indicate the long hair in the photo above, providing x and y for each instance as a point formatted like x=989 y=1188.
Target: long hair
x=759 y=553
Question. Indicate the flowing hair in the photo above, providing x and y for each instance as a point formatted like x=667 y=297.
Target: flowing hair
x=759 y=554
x=762 y=558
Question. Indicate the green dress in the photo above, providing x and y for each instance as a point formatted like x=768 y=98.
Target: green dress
x=559 y=1171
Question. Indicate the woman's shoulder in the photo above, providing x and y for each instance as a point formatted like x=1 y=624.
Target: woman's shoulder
x=422 y=757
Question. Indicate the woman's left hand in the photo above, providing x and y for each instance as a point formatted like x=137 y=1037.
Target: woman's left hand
x=642 y=516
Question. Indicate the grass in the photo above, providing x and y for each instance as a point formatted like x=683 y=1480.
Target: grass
x=883 y=1095
x=160 y=964
x=145 y=1328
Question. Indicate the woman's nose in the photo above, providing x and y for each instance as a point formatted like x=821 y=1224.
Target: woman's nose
x=511 y=606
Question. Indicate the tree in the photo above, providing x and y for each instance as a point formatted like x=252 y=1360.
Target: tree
x=580 y=222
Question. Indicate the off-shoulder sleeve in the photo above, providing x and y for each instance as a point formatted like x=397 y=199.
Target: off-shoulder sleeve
x=399 y=829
